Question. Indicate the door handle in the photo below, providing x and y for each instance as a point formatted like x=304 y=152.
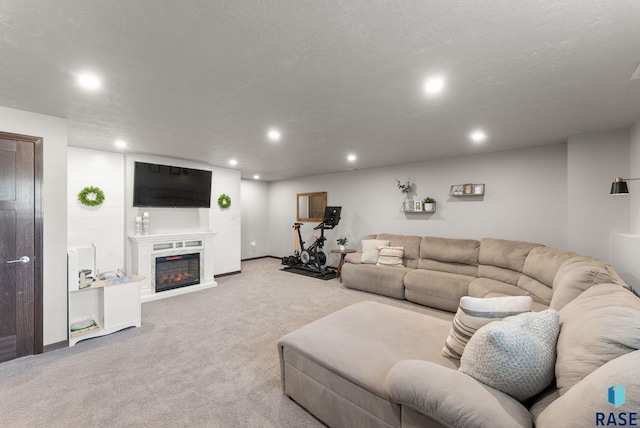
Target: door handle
x=23 y=259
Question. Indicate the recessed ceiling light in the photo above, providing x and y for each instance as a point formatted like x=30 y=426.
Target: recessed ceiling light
x=434 y=85
x=233 y=162
x=274 y=135
x=121 y=144
x=478 y=136
x=351 y=158
x=256 y=177
x=89 y=81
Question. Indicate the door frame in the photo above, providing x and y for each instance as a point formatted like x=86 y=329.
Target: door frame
x=38 y=307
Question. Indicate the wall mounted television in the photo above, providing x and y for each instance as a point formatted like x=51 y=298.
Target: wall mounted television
x=170 y=186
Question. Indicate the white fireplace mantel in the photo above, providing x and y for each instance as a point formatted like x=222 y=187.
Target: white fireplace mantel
x=147 y=247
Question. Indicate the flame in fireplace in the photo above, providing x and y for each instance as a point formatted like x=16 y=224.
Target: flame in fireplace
x=174 y=277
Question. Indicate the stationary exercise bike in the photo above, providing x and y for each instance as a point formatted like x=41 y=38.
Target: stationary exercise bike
x=314 y=258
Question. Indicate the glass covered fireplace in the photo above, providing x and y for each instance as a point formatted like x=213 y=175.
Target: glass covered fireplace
x=177 y=271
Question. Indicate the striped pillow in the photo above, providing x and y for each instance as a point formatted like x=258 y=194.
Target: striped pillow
x=474 y=312
x=390 y=256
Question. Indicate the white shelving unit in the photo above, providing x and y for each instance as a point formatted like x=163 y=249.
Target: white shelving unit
x=113 y=305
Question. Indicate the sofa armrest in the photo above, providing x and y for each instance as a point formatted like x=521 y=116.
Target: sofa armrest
x=452 y=397
x=354 y=258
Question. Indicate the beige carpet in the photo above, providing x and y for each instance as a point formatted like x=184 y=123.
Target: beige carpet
x=204 y=359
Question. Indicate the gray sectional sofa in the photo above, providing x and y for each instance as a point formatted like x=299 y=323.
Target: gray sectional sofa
x=439 y=271
x=376 y=365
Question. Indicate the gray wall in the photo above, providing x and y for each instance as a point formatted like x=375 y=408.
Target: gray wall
x=634 y=186
x=255 y=219
x=525 y=199
x=594 y=161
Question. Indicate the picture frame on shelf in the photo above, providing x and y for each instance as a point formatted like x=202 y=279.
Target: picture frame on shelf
x=417 y=205
x=467 y=189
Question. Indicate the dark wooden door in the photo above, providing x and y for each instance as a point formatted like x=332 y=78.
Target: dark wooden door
x=20 y=249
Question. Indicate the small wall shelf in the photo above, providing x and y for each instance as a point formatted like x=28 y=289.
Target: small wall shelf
x=433 y=210
x=469 y=189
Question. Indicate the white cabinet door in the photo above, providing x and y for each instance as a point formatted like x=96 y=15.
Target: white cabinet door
x=122 y=305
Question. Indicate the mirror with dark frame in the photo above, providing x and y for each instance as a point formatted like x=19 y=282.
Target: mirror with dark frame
x=311 y=206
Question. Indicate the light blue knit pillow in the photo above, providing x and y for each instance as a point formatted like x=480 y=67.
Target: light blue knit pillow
x=516 y=355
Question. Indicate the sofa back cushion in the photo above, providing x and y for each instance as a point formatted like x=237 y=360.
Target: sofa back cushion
x=503 y=260
x=410 y=245
x=600 y=325
x=449 y=255
x=575 y=276
x=539 y=271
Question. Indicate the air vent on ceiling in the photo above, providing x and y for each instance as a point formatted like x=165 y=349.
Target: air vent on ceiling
x=636 y=73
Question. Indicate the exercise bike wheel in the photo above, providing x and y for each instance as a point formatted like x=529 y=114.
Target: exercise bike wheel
x=305 y=257
x=322 y=258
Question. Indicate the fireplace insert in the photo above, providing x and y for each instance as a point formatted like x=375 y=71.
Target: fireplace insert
x=177 y=271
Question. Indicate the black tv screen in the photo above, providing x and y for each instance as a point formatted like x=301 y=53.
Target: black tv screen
x=170 y=186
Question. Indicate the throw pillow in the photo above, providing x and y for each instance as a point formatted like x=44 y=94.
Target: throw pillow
x=600 y=325
x=390 y=256
x=370 y=250
x=474 y=312
x=516 y=355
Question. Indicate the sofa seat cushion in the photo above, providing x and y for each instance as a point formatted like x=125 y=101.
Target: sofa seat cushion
x=601 y=324
x=384 y=280
x=482 y=287
x=440 y=290
x=362 y=342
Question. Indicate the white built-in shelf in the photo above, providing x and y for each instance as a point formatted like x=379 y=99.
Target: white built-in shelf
x=100 y=283
x=113 y=304
x=469 y=189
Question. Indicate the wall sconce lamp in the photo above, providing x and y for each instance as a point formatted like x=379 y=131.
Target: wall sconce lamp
x=619 y=186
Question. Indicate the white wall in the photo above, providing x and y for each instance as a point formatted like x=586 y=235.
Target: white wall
x=53 y=131
x=594 y=161
x=102 y=225
x=162 y=220
x=255 y=219
x=226 y=222
x=524 y=200
x=634 y=172
x=625 y=247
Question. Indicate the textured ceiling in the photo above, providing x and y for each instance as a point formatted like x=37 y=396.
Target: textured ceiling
x=204 y=80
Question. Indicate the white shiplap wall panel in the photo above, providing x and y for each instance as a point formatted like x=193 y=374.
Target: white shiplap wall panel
x=103 y=225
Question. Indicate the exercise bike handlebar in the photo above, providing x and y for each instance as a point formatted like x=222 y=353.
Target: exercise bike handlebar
x=324 y=226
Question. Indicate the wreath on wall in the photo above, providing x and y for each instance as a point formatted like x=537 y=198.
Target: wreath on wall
x=224 y=201
x=91 y=196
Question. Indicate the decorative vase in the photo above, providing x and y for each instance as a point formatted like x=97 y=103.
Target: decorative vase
x=407 y=204
x=428 y=207
x=342 y=247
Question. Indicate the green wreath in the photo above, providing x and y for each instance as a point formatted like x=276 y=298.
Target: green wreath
x=224 y=201
x=91 y=196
